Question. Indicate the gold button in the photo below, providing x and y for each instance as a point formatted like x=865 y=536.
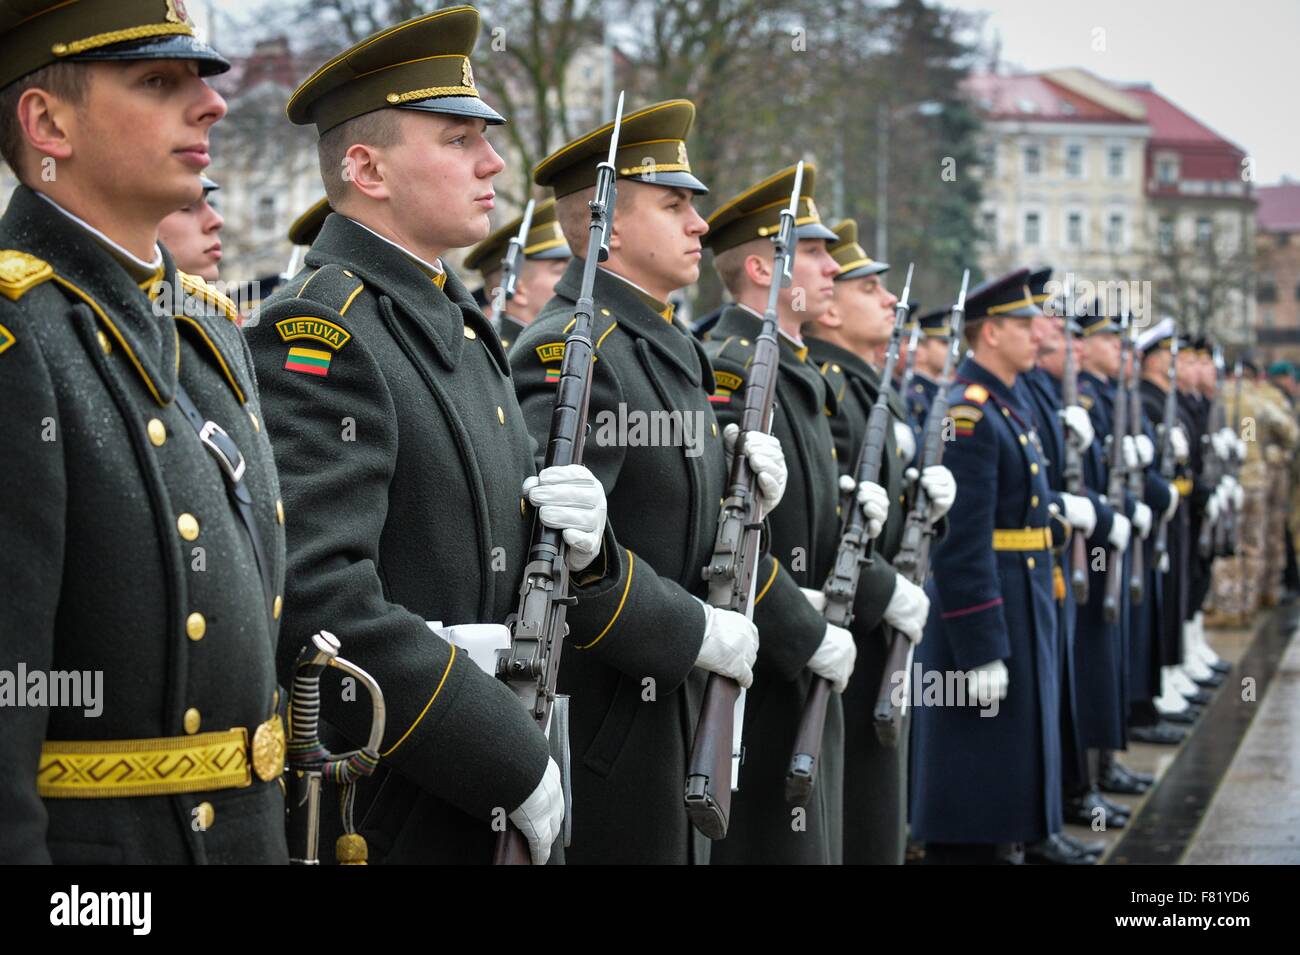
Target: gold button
x=393 y=98
x=188 y=525
x=347 y=273
x=275 y=700
x=276 y=607
x=192 y=721
x=1033 y=501
x=835 y=367
x=835 y=454
x=59 y=49
x=157 y=432
x=1033 y=467
x=898 y=451
x=205 y=814
x=195 y=626
x=744 y=342
x=279 y=511
x=105 y=345
x=838 y=509
x=253 y=418
x=1023 y=439
x=902 y=499
x=1006 y=413
x=521 y=507
x=1031 y=563
x=470 y=333
x=715 y=429
x=501 y=415
x=604 y=311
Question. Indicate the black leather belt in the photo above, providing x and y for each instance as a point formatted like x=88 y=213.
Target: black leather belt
x=231 y=461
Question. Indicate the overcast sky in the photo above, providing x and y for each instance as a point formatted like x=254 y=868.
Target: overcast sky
x=1232 y=66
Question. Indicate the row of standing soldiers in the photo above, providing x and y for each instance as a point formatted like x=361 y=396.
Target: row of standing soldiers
x=191 y=503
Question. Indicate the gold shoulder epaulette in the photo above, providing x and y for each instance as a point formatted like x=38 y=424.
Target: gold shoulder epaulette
x=21 y=272
x=199 y=287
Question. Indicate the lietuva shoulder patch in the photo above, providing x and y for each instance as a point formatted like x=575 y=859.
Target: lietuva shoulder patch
x=332 y=286
x=976 y=393
x=195 y=285
x=20 y=272
x=964 y=419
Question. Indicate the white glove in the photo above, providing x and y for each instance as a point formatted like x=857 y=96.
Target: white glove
x=1240 y=447
x=1162 y=565
x=541 y=815
x=874 y=501
x=1080 y=513
x=1178 y=441
x=1079 y=424
x=940 y=487
x=1120 y=531
x=835 y=657
x=1233 y=493
x=730 y=644
x=763 y=451
x=1130 y=452
x=905 y=438
x=1142 y=519
x=1213 y=506
x=908 y=608
x=1238 y=496
x=1146 y=450
x=1174 y=498
x=570 y=499
x=815 y=598
x=1220 y=444
x=988 y=682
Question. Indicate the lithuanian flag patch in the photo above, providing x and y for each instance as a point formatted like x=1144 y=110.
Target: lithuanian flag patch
x=553 y=374
x=309 y=361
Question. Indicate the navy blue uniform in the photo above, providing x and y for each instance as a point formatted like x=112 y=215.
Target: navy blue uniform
x=991 y=778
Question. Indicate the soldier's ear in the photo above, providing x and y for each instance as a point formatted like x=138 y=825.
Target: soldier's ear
x=758 y=270
x=47 y=122
x=363 y=167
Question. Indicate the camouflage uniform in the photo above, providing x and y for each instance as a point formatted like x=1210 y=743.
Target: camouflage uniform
x=1277 y=432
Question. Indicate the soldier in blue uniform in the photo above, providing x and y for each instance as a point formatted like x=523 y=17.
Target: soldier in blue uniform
x=933 y=338
x=1055 y=425
x=986 y=774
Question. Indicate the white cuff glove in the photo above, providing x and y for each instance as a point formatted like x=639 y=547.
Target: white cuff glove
x=1080 y=513
x=1079 y=424
x=570 y=499
x=1129 y=450
x=1178 y=441
x=1238 y=495
x=940 y=487
x=1239 y=446
x=541 y=815
x=763 y=451
x=908 y=608
x=1174 y=498
x=730 y=644
x=874 y=501
x=905 y=438
x=1146 y=450
x=835 y=657
x=988 y=682
x=1120 y=531
x=1213 y=506
x=1220 y=445
x=1142 y=519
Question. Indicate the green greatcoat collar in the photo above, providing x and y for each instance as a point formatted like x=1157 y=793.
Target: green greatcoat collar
x=737 y=321
x=821 y=351
x=442 y=315
x=640 y=315
x=88 y=274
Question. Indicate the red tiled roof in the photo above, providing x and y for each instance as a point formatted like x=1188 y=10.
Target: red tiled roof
x=1170 y=126
x=1006 y=97
x=1279 y=207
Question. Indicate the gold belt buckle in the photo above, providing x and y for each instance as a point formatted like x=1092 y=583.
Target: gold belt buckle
x=268 y=749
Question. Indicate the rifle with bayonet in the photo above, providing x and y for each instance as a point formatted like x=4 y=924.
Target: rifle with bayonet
x=530 y=666
x=1072 y=468
x=1168 y=465
x=312 y=764
x=732 y=572
x=1137 y=482
x=1231 y=532
x=1115 y=485
x=854 y=552
x=510 y=266
x=913 y=557
x=1212 y=466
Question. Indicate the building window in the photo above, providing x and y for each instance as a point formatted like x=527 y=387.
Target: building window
x=265 y=217
x=989 y=159
x=1115 y=162
x=1115 y=230
x=1165 y=234
x=1033 y=228
x=1267 y=316
x=1167 y=170
x=989 y=226
x=1204 y=233
x=1266 y=290
x=1074 y=230
x=1033 y=161
x=1074 y=161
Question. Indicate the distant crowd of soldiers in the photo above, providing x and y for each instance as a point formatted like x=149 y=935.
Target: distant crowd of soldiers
x=242 y=526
